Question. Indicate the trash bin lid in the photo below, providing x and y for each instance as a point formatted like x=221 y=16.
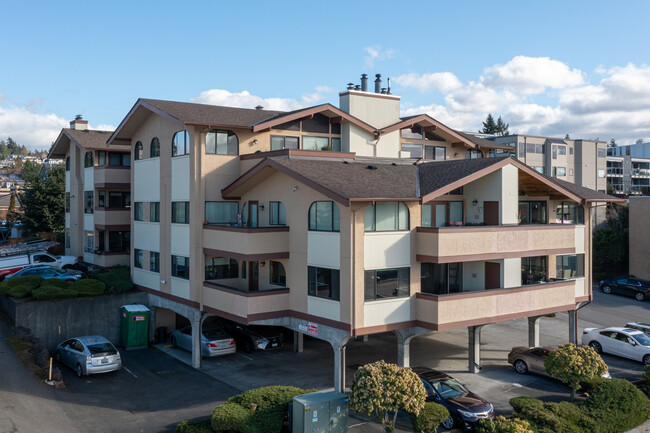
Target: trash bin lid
x=135 y=308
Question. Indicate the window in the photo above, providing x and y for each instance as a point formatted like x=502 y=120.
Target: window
x=413 y=150
x=602 y=153
x=532 y=212
x=442 y=214
x=570 y=150
x=324 y=216
x=89 y=201
x=221 y=268
x=436 y=153
x=561 y=150
x=336 y=144
x=137 y=258
x=138 y=152
x=473 y=154
x=101 y=157
x=243 y=270
x=559 y=171
x=570 y=266
x=137 y=211
x=601 y=173
x=533 y=270
x=441 y=278
x=540 y=169
x=414 y=133
x=279 y=142
x=531 y=147
x=426 y=216
x=88 y=160
x=315 y=143
x=154 y=211
x=181 y=212
x=101 y=240
x=571 y=172
x=569 y=212
x=67 y=238
x=119 y=199
x=181 y=143
x=119 y=242
x=89 y=244
x=387 y=283
x=277 y=214
x=386 y=216
x=67 y=164
x=539 y=148
x=323 y=282
x=277 y=275
x=221 y=143
x=101 y=198
x=67 y=202
x=181 y=267
x=221 y=212
x=119 y=159
x=522 y=149
x=154 y=261
x=154 y=150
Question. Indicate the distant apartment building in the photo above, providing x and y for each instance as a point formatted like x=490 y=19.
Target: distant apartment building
x=628 y=169
x=97 y=195
x=639 y=233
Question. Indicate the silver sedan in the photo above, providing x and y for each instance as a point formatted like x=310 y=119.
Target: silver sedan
x=625 y=342
x=89 y=355
x=214 y=342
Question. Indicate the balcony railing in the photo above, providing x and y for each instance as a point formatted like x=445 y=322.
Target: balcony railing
x=105 y=216
x=112 y=177
x=244 y=305
x=615 y=171
x=246 y=243
x=642 y=172
x=442 y=312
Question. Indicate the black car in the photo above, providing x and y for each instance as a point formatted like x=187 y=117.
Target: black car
x=465 y=407
x=640 y=289
x=253 y=337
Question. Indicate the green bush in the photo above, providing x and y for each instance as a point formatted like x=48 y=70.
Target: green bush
x=231 y=417
x=504 y=425
x=116 y=280
x=429 y=418
x=617 y=405
x=587 y=386
x=20 y=287
x=56 y=283
x=519 y=403
x=4 y=287
x=89 y=287
x=51 y=293
x=202 y=426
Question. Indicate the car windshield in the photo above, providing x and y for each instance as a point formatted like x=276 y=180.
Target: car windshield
x=103 y=348
x=448 y=388
x=643 y=339
x=215 y=334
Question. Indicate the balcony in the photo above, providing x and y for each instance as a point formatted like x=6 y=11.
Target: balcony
x=640 y=172
x=443 y=312
x=246 y=243
x=112 y=177
x=242 y=305
x=475 y=243
x=112 y=216
x=614 y=171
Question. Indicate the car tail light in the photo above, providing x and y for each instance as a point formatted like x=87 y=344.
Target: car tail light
x=232 y=342
x=210 y=344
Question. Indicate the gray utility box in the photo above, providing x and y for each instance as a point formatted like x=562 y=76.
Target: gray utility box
x=319 y=412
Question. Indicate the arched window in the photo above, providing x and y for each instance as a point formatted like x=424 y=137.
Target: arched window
x=277 y=275
x=88 y=161
x=387 y=216
x=154 y=151
x=181 y=143
x=324 y=216
x=473 y=154
x=221 y=268
x=67 y=164
x=221 y=142
x=137 y=153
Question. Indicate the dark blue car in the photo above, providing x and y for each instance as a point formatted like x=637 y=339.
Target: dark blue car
x=640 y=289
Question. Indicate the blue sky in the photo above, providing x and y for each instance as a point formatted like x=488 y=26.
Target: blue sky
x=577 y=67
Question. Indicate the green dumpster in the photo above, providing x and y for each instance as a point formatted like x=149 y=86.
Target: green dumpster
x=134 y=326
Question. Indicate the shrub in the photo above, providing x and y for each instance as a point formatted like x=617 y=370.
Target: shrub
x=646 y=373
x=89 y=287
x=429 y=417
x=20 y=290
x=574 y=364
x=20 y=287
x=617 y=405
x=232 y=417
x=50 y=293
x=56 y=283
x=519 y=403
x=504 y=425
x=116 y=280
x=202 y=426
x=587 y=386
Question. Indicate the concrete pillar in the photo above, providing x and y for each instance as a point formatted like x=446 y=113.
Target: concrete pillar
x=533 y=331
x=474 y=334
x=297 y=341
x=573 y=326
x=365 y=338
x=339 y=363
x=404 y=337
x=197 y=328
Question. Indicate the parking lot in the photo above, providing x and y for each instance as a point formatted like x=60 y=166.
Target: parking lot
x=154 y=391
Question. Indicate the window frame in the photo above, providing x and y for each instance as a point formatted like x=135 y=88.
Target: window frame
x=137 y=258
x=154 y=261
x=89 y=160
x=227 y=221
x=229 y=134
x=277 y=274
x=138 y=211
x=154 y=212
x=284 y=141
x=175 y=260
x=89 y=202
x=403 y=274
x=175 y=211
x=334 y=282
x=154 y=148
x=176 y=151
x=138 y=151
x=277 y=214
x=398 y=223
x=335 y=223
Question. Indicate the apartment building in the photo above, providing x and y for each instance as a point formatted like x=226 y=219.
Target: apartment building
x=97 y=195
x=628 y=168
x=339 y=222
x=639 y=237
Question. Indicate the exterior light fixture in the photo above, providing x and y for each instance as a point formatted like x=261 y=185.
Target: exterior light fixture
x=475 y=202
x=262 y=264
x=294 y=188
x=261 y=207
x=255 y=141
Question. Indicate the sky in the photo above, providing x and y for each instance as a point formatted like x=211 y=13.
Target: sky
x=547 y=68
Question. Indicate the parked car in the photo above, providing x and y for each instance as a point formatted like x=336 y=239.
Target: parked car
x=214 y=342
x=531 y=360
x=625 y=342
x=255 y=337
x=48 y=272
x=89 y=355
x=640 y=326
x=465 y=407
x=640 y=289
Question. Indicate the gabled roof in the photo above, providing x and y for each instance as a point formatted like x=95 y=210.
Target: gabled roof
x=425 y=119
x=87 y=139
x=589 y=195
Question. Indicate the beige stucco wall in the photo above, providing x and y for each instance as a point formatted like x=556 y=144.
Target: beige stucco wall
x=640 y=237
x=108 y=174
x=107 y=216
x=379 y=111
x=242 y=306
x=242 y=242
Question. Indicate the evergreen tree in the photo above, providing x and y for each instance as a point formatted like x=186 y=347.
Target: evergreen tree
x=501 y=127
x=43 y=202
x=4 y=150
x=12 y=146
x=612 y=143
x=489 y=126
x=31 y=171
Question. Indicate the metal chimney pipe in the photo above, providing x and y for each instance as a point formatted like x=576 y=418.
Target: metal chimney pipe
x=378 y=83
x=388 y=90
x=364 y=82
x=357 y=87
x=350 y=86
x=383 y=90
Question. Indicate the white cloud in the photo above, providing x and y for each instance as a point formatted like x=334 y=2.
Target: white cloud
x=103 y=127
x=531 y=75
x=442 y=81
x=376 y=53
x=28 y=128
x=244 y=99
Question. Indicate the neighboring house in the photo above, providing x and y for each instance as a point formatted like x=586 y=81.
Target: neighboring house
x=339 y=222
x=639 y=235
x=97 y=195
x=628 y=168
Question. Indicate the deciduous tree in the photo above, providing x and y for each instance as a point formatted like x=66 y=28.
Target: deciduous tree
x=573 y=364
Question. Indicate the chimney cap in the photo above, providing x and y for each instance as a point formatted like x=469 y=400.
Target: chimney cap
x=78 y=117
x=259 y=107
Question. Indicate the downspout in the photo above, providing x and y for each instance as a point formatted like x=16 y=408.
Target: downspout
x=354 y=272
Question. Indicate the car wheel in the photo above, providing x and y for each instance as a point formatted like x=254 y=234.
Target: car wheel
x=639 y=296
x=448 y=423
x=596 y=346
x=67 y=267
x=607 y=290
x=646 y=360
x=521 y=367
x=57 y=357
x=79 y=371
x=174 y=342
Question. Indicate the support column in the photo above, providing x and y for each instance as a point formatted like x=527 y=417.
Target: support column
x=297 y=341
x=533 y=331
x=474 y=334
x=573 y=326
x=339 y=363
x=404 y=337
x=197 y=328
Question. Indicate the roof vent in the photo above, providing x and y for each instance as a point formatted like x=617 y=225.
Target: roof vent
x=259 y=107
x=345 y=162
x=357 y=87
x=364 y=82
x=372 y=167
x=395 y=164
x=350 y=86
x=378 y=83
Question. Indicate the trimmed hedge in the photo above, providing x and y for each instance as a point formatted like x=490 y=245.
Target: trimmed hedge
x=50 y=293
x=231 y=417
x=89 y=287
x=20 y=287
x=429 y=418
x=56 y=283
x=202 y=426
x=117 y=280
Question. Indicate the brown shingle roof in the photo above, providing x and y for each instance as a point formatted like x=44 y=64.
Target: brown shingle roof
x=586 y=193
x=438 y=174
x=91 y=139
